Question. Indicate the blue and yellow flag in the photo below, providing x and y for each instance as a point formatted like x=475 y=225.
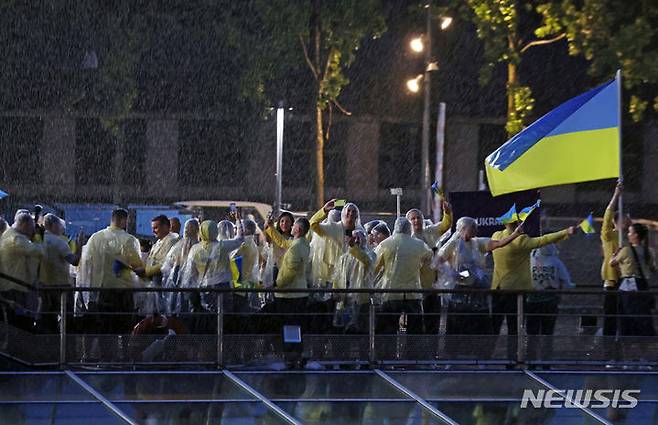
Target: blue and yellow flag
x=236 y=271
x=576 y=142
x=437 y=190
x=3 y=194
x=587 y=225
x=509 y=217
x=524 y=213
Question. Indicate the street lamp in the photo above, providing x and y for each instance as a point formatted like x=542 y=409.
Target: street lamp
x=417 y=45
x=420 y=44
x=413 y=85
x=446 y=21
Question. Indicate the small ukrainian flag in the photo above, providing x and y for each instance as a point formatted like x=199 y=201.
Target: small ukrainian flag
x=236 y=270
x=509 y=217
x=437 y=190
x=524 y=213
x=587 y=225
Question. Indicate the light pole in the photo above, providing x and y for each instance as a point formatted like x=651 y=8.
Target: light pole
x=279 y=157
x=418 y=45
x=425 y=144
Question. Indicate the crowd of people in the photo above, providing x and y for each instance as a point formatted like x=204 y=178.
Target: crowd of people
x=332 y=249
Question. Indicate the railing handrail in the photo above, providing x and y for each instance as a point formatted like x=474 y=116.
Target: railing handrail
x=68 y=288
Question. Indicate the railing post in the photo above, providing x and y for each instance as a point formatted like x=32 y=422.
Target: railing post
x=520 y=329
x=220 y=329
x=371 y=332
x=62 y=329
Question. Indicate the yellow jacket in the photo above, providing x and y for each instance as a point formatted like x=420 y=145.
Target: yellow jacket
x=158 y=253
x=628 y=267
x=98 y=256
x=292 y=268
x=512 y=262
x=19 y=258
x=431 y=236
x=249 y=253
x=609 y=244
x=400 y=257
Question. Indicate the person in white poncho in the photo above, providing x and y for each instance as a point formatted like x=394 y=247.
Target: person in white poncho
x=208 y=266
x=171 y=268
x=355 y=270
x=465 y=256
x=336 y=238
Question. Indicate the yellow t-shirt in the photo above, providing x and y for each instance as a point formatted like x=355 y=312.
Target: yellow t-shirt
x=512 y=262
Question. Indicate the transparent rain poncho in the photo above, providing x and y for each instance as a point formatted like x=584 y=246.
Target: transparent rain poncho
x=465 y=261
x=248 y=255
x=399 y=259
x=324 y=256
x=354 y=271
x=225 y=230
x=171 y=268
x=208 y=263
x=430 y=233
x=106 y=262
x=272 y=254
x=335 y=241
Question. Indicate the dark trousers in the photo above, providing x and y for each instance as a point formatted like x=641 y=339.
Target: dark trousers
x=48 y=322
x=240 y=321
x=321 y=321
x=290 y=311
x=389 y=320
x=540 y=320
x=115 y=312
x=635 y=310
x=504 y=308
x=541 y=316
x=15 y=314
x=610 y=310
x=468 y=320
x=432 y=313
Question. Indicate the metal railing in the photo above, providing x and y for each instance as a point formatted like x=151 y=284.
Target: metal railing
x=219 y=342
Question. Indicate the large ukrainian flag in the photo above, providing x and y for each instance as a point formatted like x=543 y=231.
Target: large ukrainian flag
x=576 y=142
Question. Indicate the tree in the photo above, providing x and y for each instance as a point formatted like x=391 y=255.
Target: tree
x=507 y=34
x=323 y=37
x=611 y=35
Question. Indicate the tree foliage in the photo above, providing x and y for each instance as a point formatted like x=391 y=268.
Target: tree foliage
x=610 y=34
x=320 y=36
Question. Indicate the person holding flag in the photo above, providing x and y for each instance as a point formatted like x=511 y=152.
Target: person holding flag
x=612 y=223
x=431 y=235
x=512 y=270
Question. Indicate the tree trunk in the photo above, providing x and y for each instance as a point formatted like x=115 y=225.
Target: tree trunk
x=512 y=81
x=319 y=158
x=319 y=129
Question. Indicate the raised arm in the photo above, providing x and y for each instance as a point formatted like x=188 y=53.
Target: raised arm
x=533 y=243
x=276 y=238
x=495 y=244
x=445 y=223
x=608 y=217
x=318 y=217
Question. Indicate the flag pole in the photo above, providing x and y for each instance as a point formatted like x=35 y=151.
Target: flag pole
x=621 y=174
